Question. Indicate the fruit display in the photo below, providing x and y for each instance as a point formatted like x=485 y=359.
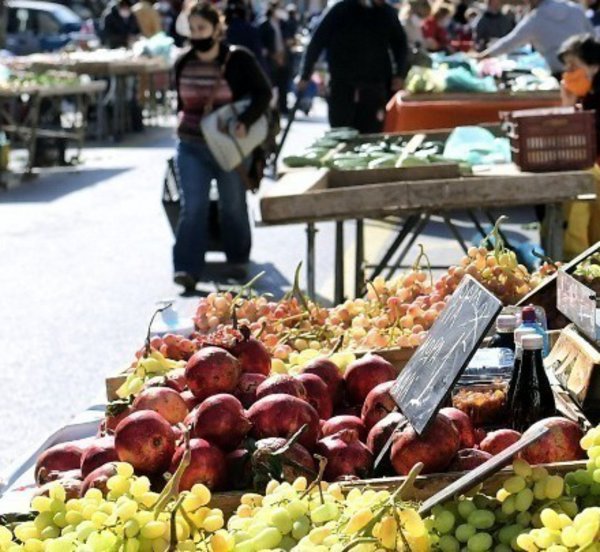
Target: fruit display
x=23 y=80
x=588 y=272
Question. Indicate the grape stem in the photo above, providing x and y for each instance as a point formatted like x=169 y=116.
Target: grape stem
x=296 y=291
x=147 y=346
x=496 y=234
x=173 y=543
x=338 y=345
x=246 y=286
x=375 y=292
x=420 y=256
x=322 y=465
x=356 y=542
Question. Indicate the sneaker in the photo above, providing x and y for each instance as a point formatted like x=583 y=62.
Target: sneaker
x=185 y=280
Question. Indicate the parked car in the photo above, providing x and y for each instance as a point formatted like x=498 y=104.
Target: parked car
x=43 y=27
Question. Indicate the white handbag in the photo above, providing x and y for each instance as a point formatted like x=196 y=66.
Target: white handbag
x=218 y=130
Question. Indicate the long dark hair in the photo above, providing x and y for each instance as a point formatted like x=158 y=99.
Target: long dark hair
x=585 y=47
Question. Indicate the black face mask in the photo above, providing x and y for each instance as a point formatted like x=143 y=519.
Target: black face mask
x=202 y=44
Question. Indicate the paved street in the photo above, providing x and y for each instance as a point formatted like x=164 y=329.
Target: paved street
x=84 y=256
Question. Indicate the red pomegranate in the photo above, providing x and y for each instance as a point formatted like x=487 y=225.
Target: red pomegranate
x=469 y=459
x=145 y=440
x=283 y=415
x=190 y=400
x=98 y=478
x=330 y=374
x=72 y=487
x=253 y=355
x=221 y=420
x=337 y=423
x=163 y=400
x=382 y=430
x=560 y=444
x=61 y=458
x=207 y=466
x=247 y=386
x=378 y=404
x=296 y=462
x=210 y=371
x=365 y=374
x=318 y=394
x=496 y=441
x=100 y=452
x=174 y=380
x=346 y=455
x=435 y=448
x=281 y=383
x=463 y=424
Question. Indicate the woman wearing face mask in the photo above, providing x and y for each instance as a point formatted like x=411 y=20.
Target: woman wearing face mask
x=435 y=28
x=209 y=75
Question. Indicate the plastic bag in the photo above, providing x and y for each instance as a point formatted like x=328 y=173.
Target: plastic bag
x=477 y=146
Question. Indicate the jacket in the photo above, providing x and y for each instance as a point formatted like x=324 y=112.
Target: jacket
x=492 y=25
x=358 y=41
x=546 y=28
x=243 y=33
x=115 y=30
x=245 y=77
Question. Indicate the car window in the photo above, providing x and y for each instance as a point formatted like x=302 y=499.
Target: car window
x=47 y=24
x=20 y=20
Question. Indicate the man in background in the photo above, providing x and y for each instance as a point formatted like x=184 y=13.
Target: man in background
x=492 y=24
x=118 y=26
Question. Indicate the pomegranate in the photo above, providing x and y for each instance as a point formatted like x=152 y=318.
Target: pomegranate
x=497 y=441
x=221 y=420
x=167 y=402
x=346 y=455
x=381 y=431
x=115 y=412
x=282 y=415
x=246 y=389
x=100 y=452
x=318 y=394
x=145 y=440
x=330 y=374
x=295 y=462
x=365 y=374
x=62 y=457
x=560 y=444
x=435 y=448
x=337 y=423
x=281 y=383
x=378 y=404
x=463 y=424
x=239 y=469
x=72 y=487
x=210 y=371
x=479 y=435
x=207 y=466
x=469 y=459
x=98 y=478
x=190 y=400
x=253 y=355
x=58 y=475
x=345 y=410
x=175 y=380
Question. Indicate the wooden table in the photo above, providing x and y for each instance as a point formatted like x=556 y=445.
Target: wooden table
x=307 y=197
x=30 y=128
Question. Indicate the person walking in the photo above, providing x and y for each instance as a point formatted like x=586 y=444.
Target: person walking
x=240 y=32
x=492 y=24
x=208 y=75
x=545 y=27
x=358 y=36
x=118 y=26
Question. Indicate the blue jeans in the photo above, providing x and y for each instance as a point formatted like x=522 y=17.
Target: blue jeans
x=197 y=168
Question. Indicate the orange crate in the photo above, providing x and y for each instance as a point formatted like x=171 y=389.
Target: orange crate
x=554 y=139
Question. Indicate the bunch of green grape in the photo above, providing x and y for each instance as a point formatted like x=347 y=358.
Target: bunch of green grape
x=561 y=533
x=126 y=520
x=584 y=484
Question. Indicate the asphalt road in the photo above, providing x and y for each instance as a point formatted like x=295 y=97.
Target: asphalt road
x=85 y=255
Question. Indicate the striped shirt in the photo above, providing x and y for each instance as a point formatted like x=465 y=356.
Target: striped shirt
x=196 y=88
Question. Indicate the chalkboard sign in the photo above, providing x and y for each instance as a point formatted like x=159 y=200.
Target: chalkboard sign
x=578 y=303
x=450 y=343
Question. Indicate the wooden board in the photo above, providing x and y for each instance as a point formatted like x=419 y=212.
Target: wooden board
x=500 y=95
x=306 y=200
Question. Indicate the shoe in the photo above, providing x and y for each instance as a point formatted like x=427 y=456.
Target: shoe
x=185 y=280
x=231 y=271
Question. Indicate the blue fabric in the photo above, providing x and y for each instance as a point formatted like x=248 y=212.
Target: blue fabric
x=197 y=168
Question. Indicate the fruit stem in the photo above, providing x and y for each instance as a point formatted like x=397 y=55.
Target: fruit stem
x=173 y=543
x=375 y=292
x=172 y=487
x=296 y=288
x=496 y=233
x=338 y=345
x=356 y=542
x=322 y=465
x=263 y=327
x=147 y=346
x=545 y=258
x=291 y=441
x=246 y=286
x=408 y=483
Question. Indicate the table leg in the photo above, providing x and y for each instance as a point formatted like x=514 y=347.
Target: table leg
x=408 y=225
x=359 y=270
x=311 y=232
x=552 y=240
x=416 y=233
x=471 y=214
x=34 y=117
x=454 y=231
x=339 y=262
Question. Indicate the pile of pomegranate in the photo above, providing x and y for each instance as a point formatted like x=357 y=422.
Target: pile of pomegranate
x=246 y=426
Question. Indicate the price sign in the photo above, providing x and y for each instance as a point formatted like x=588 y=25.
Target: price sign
x=578 y=303
x=450 y=344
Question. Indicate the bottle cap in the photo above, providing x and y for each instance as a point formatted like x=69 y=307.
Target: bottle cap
x=506 y=323
x=520 y=333
x=532 y=342
x=528 y=314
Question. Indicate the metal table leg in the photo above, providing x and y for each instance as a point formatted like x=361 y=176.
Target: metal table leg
x=359 y=270
x=34 y=117
x=339 y=262
x=471 y=214
x=416 y=233
x=454 y=231
x=552 y=239
x=311 y=232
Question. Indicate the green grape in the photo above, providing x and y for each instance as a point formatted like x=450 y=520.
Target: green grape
x=287 y=543
x=539 y=489
x=509 y=532
x=522 y=468
x=544 y=538
x=524 y=519
x=508 y=506
x=50 y=532
x=501 y=517
x=482 y=502
x=464 y=532
x=444 y=522
x=514 y=484
x=595 y=489
x=268 y=538
x=480 y=542
x=482 y=519
x=448 y=543
x=554 y=487
x=43 y=520
x=582 y=477
x=301 y=527
x=524 y=500
x=297 y=508
x=324 y=513
x=465 y=508
x=502 y=548
x=281 y=520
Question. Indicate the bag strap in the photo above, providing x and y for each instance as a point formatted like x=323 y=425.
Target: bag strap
x=208 y=108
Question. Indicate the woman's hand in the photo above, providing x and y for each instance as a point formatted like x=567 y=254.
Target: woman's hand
x=240 y=130
x=568 y=99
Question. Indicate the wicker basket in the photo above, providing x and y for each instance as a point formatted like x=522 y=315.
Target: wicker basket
x=554 y=139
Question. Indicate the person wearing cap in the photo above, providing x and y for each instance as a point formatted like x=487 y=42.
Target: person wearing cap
x=358 y=37
x=545 y=27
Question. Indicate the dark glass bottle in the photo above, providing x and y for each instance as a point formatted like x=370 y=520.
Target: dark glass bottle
x=504 y=337
x=533 y=398
x=519 y=334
